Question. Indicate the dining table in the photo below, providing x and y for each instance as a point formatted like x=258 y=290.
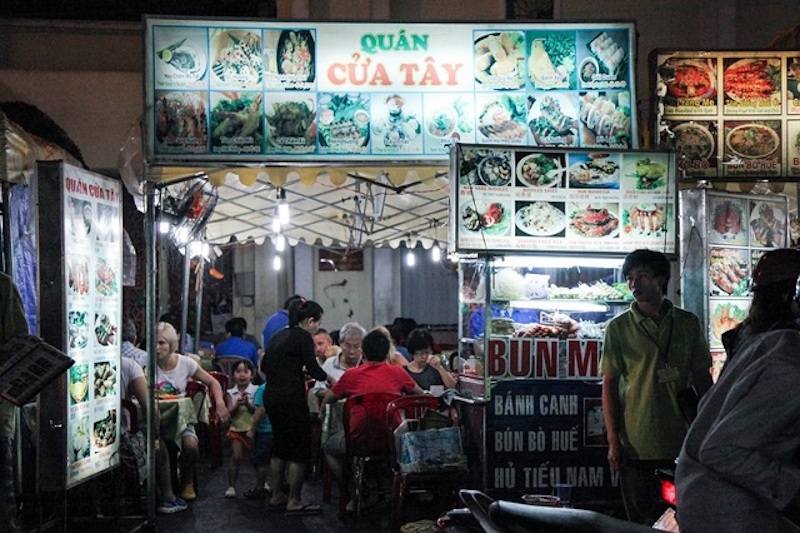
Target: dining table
x=175 y=414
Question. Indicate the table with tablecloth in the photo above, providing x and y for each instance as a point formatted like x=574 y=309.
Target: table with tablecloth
x=176 y=414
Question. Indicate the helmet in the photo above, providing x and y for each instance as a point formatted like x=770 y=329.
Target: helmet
x=774 y=266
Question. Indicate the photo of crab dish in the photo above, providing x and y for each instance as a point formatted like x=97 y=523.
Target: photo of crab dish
x=593 y=222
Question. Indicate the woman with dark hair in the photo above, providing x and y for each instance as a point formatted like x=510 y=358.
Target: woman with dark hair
x=288 y=357
x=425 y=368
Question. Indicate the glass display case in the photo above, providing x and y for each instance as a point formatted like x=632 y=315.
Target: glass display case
x=531 y=332
x=559 y=298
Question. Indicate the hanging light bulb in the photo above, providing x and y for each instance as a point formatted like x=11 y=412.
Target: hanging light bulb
x=411 y=259
x=436 y=252
x=276 y=262
x=276 y=224
x=280 y=243
x=163 y=226
x=283 y=207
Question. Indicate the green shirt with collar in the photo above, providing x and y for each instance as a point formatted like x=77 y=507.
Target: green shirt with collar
x=653 y=362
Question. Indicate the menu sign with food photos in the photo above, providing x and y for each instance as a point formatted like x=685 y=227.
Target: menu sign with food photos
x=93 y=267
x=555 y=200
x=735 y=230
x=250 y=90
x=729 y=114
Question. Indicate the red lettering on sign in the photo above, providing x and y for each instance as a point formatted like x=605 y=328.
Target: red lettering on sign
x=546 y=358
x=583 y=359
x=496 y=357
x=520 y=359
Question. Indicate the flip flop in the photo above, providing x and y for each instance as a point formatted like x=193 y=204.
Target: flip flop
x=305 y=510
x=281 y=506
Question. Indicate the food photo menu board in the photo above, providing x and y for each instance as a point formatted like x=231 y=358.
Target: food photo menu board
x=740 y=229
x=730 y=114
x=551 y=200
x=92 y=229
x=252 y=90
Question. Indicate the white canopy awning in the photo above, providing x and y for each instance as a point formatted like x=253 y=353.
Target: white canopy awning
x=329 y=206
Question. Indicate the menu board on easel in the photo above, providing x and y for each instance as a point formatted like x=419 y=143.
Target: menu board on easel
x=527 y=199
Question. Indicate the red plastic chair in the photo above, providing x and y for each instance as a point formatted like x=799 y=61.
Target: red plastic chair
x=445 y=482
x=366 y=436
x=216 y=431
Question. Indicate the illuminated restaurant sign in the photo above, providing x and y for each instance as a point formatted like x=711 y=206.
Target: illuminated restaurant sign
x=247 y=90
x=527 y=199
x=730 y=114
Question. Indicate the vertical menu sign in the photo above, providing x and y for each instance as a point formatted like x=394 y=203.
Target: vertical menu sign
x=92 y=229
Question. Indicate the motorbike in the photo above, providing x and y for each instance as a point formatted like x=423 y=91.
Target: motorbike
x=482 y=513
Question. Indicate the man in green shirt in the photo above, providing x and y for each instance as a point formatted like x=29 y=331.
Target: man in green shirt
x=651 y=353
x=12 y=323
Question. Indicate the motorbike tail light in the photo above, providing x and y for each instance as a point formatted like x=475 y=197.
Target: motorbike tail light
x=668 y=492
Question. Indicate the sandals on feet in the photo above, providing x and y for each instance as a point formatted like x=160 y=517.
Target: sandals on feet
x=257 y=494
x=305 y=510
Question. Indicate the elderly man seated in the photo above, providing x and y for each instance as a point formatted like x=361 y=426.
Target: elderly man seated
x=350 y=336
x=374 y=375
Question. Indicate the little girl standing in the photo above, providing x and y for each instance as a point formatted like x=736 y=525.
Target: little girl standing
x=239 y=400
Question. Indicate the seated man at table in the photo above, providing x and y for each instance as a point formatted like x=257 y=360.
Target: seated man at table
x=374 y=375
x=235 y=344
x=349 y=357
x=324 y=348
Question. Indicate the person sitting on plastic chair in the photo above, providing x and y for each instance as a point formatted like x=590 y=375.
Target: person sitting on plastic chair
x=374 y=375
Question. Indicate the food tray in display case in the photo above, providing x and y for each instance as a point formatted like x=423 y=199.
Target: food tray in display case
x=528 y=199
x=728 y=235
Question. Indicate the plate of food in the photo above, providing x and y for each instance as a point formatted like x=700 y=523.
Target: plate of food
x=552 y=119
x=183 y=58
x=767 y=224
x=645 y=219
x=693 y=141
x=598 y=171
x=726 y=316
x=237 y=57
x=689 y=78
x=753 y=79
x=728 y=222
x=503 y=118
x=492 y=218
x=752 y=141
x=442 y=122
x=728 y=272
x=540 y=170
x=495 y=170
x=541 y=219
x=649 y=174
x=593 y=222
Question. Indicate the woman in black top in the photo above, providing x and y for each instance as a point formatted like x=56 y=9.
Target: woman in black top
x=289 y=356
